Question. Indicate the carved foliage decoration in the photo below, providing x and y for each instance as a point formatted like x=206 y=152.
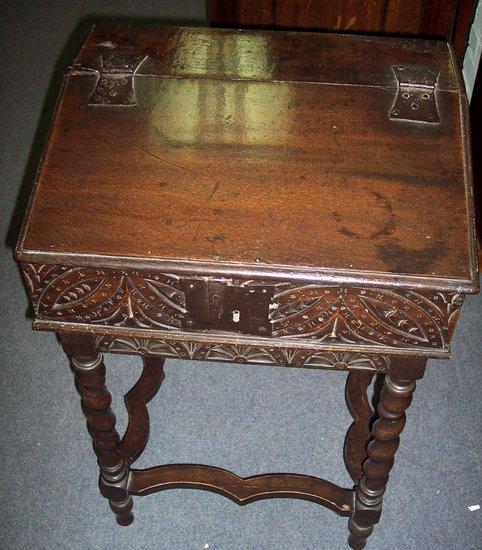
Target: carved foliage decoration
x=374 y=316
x=323 y=313
x=234 y=353
x=105 y=297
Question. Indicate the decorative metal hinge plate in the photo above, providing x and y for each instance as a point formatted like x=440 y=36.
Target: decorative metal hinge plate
x=115 y=84
x=415 y=99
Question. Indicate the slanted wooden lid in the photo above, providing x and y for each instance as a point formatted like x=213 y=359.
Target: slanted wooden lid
x=298 y=155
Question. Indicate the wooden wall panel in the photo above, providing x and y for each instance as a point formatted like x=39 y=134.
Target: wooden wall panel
x=263 y=9
x=446 y=19
x=241 y=12
x=403 y=16
x=224 y=13
x=337 y=15
x=438 y=18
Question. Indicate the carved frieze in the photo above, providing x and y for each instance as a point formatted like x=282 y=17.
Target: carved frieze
x=369 y=315
x=234 y=353
x=321 y=313
x=105 y=296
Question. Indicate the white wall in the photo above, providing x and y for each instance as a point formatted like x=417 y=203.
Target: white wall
x=474 y=49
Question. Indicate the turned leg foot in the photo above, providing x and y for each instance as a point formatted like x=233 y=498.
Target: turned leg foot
x=395 y=398
x=89 y=370
x=123 y=511
x=358 y=534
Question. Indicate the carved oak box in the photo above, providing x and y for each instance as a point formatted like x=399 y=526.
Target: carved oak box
x=283 y=198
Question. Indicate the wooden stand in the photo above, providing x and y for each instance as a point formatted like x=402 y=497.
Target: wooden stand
x=369 y=454
x=275 y=198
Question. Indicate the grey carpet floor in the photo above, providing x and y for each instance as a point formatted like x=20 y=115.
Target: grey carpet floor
x=249 y=420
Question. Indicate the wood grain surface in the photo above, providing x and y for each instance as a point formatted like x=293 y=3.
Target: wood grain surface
x=248 y=148
x=442 y=19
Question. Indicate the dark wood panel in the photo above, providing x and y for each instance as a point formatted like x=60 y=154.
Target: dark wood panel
x=445 y=19
x=263 y=9
x=337 y=15
x=224 y=12
x=402 y=16
x=438 y=18
x=241 y=12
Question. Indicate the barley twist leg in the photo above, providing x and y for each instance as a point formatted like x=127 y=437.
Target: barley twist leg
x=89 y=370
x=395 y=398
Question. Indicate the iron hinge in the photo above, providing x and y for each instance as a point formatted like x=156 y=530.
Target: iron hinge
x=115 y=84
x=415 y=99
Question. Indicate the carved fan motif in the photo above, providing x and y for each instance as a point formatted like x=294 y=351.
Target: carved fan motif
x=240 y=354
x=150 y=346
x=345 y=361
x=235 y=353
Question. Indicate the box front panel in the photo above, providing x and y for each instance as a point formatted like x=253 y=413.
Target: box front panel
x=292 y=313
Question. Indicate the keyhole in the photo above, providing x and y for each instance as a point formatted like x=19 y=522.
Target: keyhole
x=236 y=316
